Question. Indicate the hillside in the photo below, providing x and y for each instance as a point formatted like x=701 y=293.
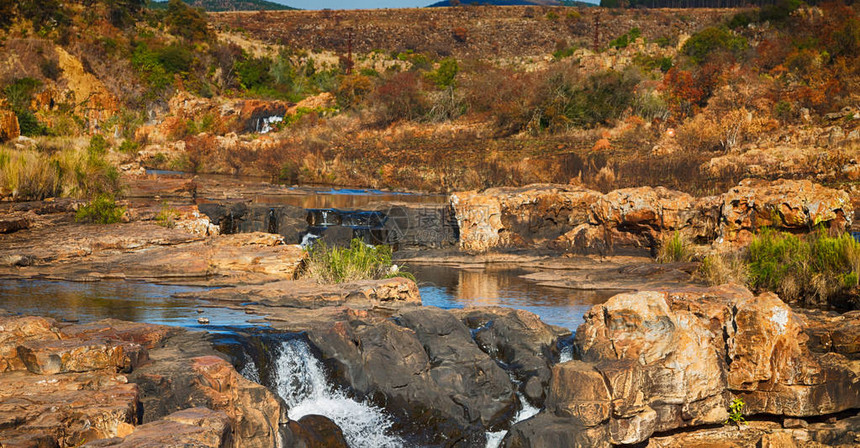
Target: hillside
x=520 y=32
x=228 y=5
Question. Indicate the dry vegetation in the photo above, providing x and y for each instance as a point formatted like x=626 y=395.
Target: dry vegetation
x=456 y=98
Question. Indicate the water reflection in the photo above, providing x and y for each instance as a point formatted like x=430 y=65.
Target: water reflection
x=133 y=301
x=449 y=287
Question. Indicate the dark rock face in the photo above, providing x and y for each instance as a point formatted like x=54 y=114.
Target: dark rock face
x=240 y=217
x=425 y=370
x=314 y=431
x=520 y=340
x=548 y=431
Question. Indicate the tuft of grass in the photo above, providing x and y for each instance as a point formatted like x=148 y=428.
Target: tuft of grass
x=719 y=269
x=674 y=249
x=103 y=209
x=167 y=216
x=359 y=261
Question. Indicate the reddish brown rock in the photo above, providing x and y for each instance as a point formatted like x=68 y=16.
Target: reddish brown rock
x=80 y=355
x=17 y=330
x=315 y=431
x=9 y=128
x=195 y=427
x=795 y=205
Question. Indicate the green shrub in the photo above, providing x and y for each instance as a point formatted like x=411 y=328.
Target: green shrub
x=736 y=413
x=359 y=261
x=626 y=38
x=98 y=146
x=176 y=59
x=700 y=46
x=443 y=76
x=564 y=52
x=817 y=266
x=103 y=209
x=674 y=249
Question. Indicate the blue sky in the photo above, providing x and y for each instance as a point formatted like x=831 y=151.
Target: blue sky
x=354 y=4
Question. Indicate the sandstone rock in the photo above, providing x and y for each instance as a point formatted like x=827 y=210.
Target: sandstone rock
x=578 y=390
x=185 y=372
x=796 y=205
x=65 y=410
x=194 y=427
x=510 y=217
x=391 y=293
x=9 y=128
x=549 y=431
x=80 y=355
x=17 y=330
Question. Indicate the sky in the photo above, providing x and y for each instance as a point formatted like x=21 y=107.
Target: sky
x=354 y=4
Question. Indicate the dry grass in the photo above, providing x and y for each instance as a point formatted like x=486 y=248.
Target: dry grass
x=722 y=268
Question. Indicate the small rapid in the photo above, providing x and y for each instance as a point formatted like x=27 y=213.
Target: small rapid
x=494 y=439
x=300 y=380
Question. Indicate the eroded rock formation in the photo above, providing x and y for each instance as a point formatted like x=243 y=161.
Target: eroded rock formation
x=572 y=218
x=652 y=362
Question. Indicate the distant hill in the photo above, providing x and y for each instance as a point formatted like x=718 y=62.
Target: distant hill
x=514 y=3
x=228 y=5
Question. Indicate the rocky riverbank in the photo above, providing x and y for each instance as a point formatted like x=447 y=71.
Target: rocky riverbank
x=576 y=219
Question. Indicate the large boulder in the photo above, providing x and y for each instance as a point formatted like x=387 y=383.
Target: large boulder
x=524 y=344
x=425 y=369
x=656 y=361
x=519 y=217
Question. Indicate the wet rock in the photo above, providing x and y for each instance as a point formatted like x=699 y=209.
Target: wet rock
x=240 y=217
x=195 y=427
x=427 y=371
x=520 y=340
x=549 y=431
x=315 y=431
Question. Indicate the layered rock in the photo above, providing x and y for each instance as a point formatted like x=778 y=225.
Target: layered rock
x=653 y=362
x=570 y=218
x=131 y=384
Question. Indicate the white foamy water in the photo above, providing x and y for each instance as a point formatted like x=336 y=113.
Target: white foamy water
x=566 y=354
x=301 y=382
x=494 y=439
x=308 y=239
x=265 y=125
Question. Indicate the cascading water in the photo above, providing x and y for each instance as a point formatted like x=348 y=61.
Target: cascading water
x=494 y=439
x=308 y=240
x=301 y=382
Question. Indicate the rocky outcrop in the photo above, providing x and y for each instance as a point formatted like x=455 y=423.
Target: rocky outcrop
x=793 y=205
x=197 y=427
x=569 y=218
x=240 y=217
x=426 y=370
x=9 y=128
x=129 y=383
x=525 y=345
x=653 y=362
x=517 y=217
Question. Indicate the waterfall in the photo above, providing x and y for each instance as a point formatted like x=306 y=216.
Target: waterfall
x=494 y=439
x=301 y=381
x=308 y=240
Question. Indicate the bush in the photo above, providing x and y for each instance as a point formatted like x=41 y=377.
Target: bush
x=702 y=45
x=98 y=146
x=359 y=261
x=400 y=98
x=443 y=76
x=176 y=59
x=800 y=269
x=103 y=209
x=626 y=38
